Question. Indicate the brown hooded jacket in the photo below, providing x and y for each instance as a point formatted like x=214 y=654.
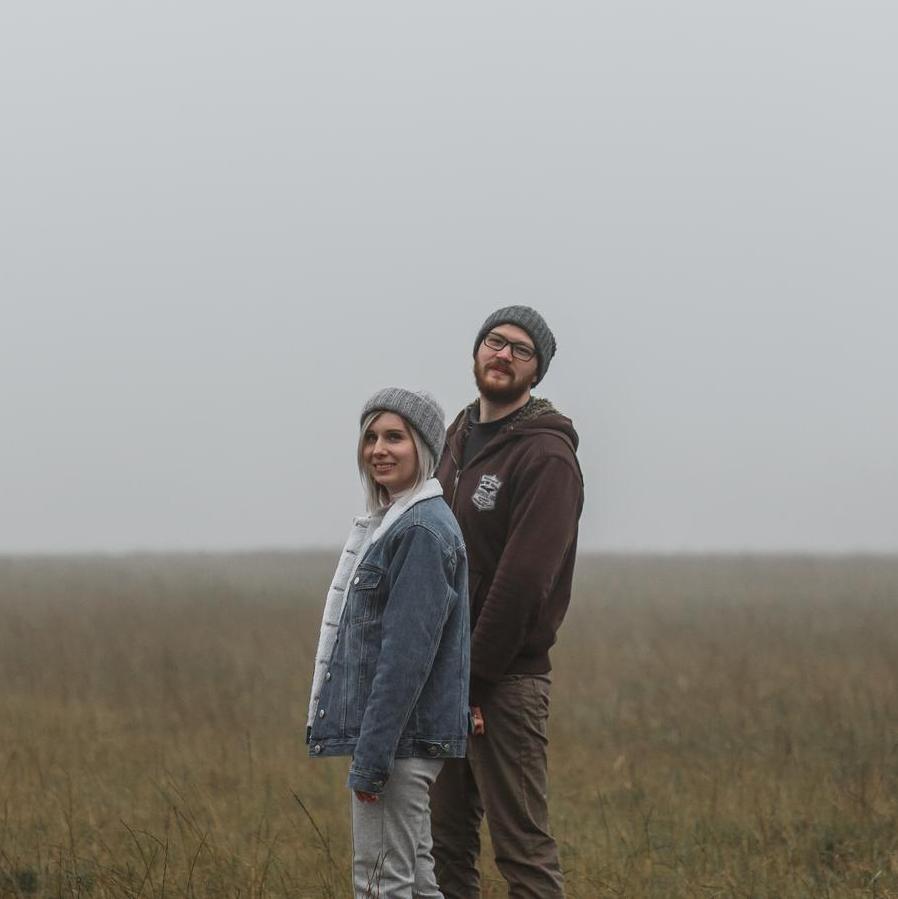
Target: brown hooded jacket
x=518 y=502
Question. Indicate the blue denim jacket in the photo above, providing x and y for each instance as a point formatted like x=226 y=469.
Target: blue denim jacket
x=397 y=681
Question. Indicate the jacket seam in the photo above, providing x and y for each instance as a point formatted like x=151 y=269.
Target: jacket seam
x=446 y=549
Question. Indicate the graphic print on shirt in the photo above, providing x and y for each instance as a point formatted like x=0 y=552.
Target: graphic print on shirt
x=484 y=496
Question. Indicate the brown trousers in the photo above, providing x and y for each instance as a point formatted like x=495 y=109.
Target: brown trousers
x=505 y=775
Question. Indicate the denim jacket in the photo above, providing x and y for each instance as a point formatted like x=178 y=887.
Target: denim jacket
x=396 y=684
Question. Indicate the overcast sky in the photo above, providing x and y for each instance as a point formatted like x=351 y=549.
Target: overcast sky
x=224 y=225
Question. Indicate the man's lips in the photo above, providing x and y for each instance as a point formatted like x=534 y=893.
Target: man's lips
x=499 y=368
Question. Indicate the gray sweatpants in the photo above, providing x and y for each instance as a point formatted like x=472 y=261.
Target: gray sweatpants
x=391 y=843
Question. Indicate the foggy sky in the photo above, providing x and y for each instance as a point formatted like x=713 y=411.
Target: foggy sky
x=224 y=226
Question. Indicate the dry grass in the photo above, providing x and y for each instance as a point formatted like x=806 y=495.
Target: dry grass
x=721 y=728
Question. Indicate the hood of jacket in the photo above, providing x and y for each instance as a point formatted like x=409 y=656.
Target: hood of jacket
x=537 y=415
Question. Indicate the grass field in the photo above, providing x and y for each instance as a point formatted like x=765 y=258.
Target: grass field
x=721 y=727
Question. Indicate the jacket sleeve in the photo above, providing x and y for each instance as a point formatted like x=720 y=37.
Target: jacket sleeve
x=414 y=615
x=542 y=526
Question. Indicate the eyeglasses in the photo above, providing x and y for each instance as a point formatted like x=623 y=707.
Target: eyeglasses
x=522 y=351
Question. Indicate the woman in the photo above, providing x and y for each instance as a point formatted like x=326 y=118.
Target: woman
x=390 y=686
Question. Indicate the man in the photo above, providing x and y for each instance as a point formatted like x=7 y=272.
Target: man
x=511 y=475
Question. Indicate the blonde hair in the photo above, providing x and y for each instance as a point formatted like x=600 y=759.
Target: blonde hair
x=376 y=496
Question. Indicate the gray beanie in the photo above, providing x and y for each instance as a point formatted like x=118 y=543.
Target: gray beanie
x=533 y=323
x=418 y=408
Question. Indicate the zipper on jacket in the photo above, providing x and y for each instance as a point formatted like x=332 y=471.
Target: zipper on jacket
x=457 y=477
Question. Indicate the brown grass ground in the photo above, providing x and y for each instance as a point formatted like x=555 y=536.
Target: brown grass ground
x=721 y=727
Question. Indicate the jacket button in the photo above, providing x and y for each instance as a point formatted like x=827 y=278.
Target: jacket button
x=433 y=750
x=321 y=713
x=356 y=581
x=327 y=676
x=316 y=748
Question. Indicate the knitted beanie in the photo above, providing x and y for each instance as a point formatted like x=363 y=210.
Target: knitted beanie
x=533 y=323
x=418 y=408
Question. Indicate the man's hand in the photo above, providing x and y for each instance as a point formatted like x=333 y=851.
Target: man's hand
x=362 y=796
x=479 y=724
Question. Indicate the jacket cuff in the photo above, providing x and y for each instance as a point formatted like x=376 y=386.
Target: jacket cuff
x=366 y=780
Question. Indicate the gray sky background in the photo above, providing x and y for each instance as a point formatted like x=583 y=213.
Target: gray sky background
x=224 y=225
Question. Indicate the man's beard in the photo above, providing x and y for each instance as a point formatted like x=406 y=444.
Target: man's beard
x=512 y=391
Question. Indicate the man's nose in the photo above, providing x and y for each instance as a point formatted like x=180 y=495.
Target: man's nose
x=505 y=352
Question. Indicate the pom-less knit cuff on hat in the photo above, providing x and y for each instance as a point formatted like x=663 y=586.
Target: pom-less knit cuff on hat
x=418 y=408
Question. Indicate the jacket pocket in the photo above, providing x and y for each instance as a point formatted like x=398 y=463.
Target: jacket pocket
x=363 y=593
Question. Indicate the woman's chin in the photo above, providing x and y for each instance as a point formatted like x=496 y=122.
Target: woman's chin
x=392 y=486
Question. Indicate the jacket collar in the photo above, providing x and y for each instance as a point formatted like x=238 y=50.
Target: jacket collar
x=428 y=490
x=534 y=408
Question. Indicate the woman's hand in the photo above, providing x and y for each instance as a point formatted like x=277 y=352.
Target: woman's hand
x=362 y=796
x=479 y=724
